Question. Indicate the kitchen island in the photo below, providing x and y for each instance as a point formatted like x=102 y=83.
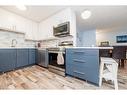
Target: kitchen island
x=83 y=62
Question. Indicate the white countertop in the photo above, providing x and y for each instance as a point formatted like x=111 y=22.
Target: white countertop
x=92 y=47
x=81 y=47
x=66 y=47
x=16 y=47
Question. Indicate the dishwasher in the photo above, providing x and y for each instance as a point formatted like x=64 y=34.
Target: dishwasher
x=42 y=57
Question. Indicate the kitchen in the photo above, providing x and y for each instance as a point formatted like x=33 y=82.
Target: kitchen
x=42 y=53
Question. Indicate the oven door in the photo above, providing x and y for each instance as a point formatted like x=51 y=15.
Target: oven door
x=53 y=66
x=53 y=60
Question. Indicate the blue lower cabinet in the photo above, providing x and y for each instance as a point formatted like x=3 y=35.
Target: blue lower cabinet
x=92 y=75
x=22 y=57
x=11 y=59
x=32 y=56
x=83 y=63
x=69 y=68
x=7 y=59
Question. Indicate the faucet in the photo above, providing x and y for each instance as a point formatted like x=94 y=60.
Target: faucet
x=13 y=42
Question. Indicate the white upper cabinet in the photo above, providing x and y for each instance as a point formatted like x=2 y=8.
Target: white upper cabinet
x=19 y=24
x=45 y=30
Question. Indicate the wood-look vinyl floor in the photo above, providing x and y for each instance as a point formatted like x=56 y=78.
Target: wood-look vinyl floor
x=36 y=77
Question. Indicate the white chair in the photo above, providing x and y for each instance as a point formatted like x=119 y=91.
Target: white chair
x=108 y=71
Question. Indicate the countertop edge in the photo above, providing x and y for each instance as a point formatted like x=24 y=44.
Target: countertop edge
x=90 y=47
x=17 y=48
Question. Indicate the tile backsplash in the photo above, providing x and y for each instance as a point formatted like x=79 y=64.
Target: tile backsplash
x=7 y=37
x=55 y=42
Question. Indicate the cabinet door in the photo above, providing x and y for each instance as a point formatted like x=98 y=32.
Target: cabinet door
x=7 y=59
x=32 y=53
x=38 y=57
x=69 y=65
x=22 y=57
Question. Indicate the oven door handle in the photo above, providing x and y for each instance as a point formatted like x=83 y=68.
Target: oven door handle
x=56 y=52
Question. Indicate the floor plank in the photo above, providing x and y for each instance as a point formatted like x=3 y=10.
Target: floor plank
x=36 y=77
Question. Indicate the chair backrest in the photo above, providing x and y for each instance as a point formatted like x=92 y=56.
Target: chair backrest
x=111 y=65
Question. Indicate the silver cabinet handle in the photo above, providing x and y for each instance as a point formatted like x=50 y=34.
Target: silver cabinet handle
x=81 y=61
x=79 y=72
x=78 y=52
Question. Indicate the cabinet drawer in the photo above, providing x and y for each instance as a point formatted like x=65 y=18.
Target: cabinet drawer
x=79 y=67
x=82 y=52
x=78 y=57
x=85 y=67
x=79 y=61
x=79 y=71
x=88 y=61
x=79 y=74
x=92 y=75
x=92 y=61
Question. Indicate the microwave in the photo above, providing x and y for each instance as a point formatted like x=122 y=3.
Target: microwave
x=62 y=30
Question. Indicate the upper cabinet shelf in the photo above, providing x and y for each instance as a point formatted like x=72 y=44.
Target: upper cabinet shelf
x=10 y=30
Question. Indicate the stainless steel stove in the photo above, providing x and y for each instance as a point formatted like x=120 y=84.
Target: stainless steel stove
x=53 y=53
x=53 y=66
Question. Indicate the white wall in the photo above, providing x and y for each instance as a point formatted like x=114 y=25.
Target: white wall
x=79 y=37
x=110 y=34
x=10 y=20
x=86 y=38
x=46 y=26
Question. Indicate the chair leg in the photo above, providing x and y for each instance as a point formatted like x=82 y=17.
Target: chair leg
x=116 y=84
x=101 y=72
x=122 y=62
x=100 y=82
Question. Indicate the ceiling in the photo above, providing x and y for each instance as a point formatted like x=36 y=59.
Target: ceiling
x=35 y=13
x=102 y=16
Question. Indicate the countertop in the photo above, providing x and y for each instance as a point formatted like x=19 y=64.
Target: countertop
x=57 y=47
x=79 y=47
x=17 y=47
x=91 y=47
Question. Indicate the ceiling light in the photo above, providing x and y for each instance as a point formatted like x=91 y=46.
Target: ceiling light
x=86 y=14
x=21 y=7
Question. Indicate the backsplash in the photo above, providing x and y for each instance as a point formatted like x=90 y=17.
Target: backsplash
x=55 y=42
x=7 y=37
